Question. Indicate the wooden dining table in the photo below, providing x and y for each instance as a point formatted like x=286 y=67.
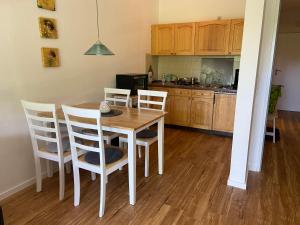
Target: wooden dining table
x=130 y=122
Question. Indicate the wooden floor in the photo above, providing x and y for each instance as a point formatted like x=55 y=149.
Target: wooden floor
x=192 y=190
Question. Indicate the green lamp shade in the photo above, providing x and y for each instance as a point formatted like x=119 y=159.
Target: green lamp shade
x=99 y=49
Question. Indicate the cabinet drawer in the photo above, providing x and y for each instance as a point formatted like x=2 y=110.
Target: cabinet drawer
x=180 y=92
x=203 y=93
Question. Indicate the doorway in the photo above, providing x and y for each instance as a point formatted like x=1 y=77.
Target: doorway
x=287 y=56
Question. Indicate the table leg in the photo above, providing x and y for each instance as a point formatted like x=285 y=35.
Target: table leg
x=160 y=132
x=132 y=166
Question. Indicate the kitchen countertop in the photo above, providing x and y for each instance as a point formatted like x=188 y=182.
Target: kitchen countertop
x=194 y=87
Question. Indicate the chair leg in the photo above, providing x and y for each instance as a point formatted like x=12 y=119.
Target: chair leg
x=140 y=151
x=93 y=176
x=49 y=167
x=274 y=130
x=147 y=161
x=38 y=173
x=76 y=178
x=68 y=167
x=61 y=180
x=120 y=146
x=102 y=194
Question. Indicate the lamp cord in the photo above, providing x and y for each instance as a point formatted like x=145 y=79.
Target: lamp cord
x=98 y=20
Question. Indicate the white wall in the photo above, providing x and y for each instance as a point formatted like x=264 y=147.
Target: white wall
x=80 y=78
x=171 y=11
x=262 y=90
x=288 y=61
x=254 y=16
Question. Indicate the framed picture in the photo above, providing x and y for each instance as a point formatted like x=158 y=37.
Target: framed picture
x=46 y=4
x=48 y=28
x=50 y=57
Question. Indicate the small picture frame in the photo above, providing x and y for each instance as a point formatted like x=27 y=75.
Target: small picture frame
x=50 y=57
x=48 y=28
x=46 y=4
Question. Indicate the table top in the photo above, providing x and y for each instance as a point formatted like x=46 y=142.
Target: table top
x=130 y=119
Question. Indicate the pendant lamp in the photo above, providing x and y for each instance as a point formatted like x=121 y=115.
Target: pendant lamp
x=98 y=48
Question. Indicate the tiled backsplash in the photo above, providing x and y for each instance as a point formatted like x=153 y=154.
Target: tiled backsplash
x=217 y=69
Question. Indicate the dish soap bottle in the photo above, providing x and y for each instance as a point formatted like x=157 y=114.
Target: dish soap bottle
x=150 y=75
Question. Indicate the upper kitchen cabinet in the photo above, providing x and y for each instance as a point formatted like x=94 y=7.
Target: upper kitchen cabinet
x=184 y=39
x=173 y=39
x=236 y=36
x=212 y=37
x=162 y=39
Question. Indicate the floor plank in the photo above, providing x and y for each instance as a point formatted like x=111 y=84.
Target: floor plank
x=192 y=190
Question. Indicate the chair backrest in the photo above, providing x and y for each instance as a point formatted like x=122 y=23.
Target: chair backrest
x=117 y=96
x=43 y=125
x=154 y=100
x=84 y=119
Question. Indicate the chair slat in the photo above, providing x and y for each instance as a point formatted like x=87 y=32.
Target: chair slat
x=85 y=147
x=84 y=136
x=116 y=99
x=83 y=125
x=40 y=118
x=43 y=138
x=46 y=129
x=151 y=102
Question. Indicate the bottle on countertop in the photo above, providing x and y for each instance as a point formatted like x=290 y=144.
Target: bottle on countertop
x=150 y=74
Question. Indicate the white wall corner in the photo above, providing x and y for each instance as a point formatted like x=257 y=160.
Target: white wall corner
x=263 y=84
x=254 y=14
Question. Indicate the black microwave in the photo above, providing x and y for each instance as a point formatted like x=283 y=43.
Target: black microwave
x=132 y=82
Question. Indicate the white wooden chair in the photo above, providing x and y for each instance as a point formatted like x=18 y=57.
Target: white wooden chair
x=91 y=144
x=149 y=100
x=115 y=97
x=272 y=117
x=46 y=141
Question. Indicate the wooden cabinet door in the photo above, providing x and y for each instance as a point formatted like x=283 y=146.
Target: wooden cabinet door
x=224 y=111
x=202 y=113
x=169 y=110
x=212 y=38
x=181 y=107
x=163 y=39
x=236 y=36
x=184 y=39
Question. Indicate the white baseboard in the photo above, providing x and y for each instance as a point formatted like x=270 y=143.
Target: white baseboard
x=19 y=187
x=237 y=184
x=254 y=167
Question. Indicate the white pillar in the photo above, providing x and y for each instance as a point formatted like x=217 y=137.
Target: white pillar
x=254 y=13
x=263 y=85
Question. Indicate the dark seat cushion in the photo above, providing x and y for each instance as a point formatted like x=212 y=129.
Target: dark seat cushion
x=146 y=134
x=52 y=147
x=112 y=154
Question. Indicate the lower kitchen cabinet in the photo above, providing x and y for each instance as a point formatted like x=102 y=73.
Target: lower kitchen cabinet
x=201 y=109
x=180 y=111
x=168 y=109
x=202 y=113
x=224 y=111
